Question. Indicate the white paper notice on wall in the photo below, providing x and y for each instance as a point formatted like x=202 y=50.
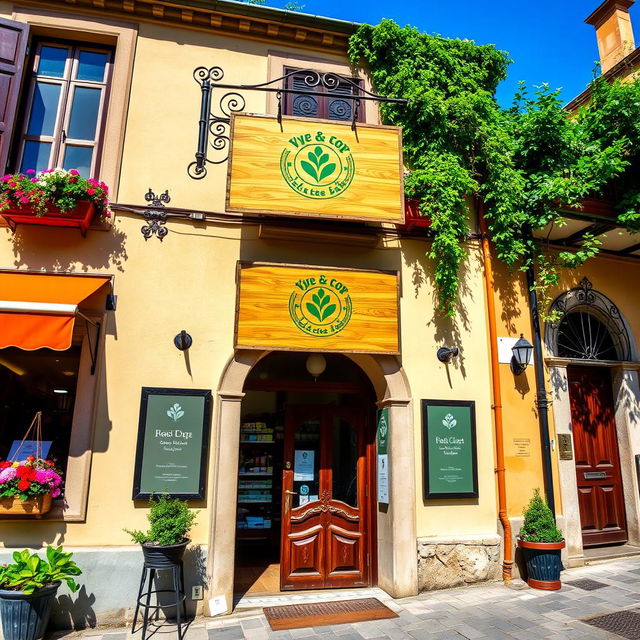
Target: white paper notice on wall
x=383 y=479
x=505 y=350
x=218 y=605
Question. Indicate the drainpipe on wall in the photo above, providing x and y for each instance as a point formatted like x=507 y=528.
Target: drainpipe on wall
x=542 y=400
x=507 y=562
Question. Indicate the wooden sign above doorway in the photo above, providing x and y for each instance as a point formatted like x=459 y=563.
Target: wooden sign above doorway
x=310 y=308
x=319 y=168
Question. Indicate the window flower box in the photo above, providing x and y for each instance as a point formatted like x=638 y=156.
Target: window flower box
x=37 y=506
x=27 y=488
x=53 y=198
x=80 y=217
x=412 y=217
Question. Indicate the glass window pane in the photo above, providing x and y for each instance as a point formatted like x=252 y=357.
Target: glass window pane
x=345 y=463
x=84 y=113
x=36 y=156
x=44 y=109
x=306 y=464
x=91 y=66
x=52 y=62
x=78 y=158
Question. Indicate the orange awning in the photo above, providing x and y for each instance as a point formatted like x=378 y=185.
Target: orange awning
x=39 y=310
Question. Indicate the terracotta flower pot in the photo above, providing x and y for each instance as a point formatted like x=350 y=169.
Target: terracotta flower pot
x=79 y=217
x=544 y=563
x=37 y=506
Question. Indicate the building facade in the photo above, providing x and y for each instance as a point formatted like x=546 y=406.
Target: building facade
x=193 y=294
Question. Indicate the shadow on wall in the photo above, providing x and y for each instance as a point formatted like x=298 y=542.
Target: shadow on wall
x=54 y=249
x=447 y=331
x=511 y=291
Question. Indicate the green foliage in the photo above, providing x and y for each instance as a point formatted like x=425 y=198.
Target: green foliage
x=294 y=6
x=169 y=522
x=539 y=524
x=524 y=162
x=29 y=572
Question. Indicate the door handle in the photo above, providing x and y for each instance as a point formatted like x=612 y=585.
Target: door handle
x=291 y=493
x=287 y=502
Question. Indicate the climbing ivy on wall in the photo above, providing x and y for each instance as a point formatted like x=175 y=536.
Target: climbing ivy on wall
x=522 y=162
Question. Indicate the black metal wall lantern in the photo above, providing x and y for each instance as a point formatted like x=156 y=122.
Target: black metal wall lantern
x=183 y=341
x=522 y=351
x=446 y=355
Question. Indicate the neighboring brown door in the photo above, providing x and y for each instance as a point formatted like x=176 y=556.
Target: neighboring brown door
x=13 y=45
x=597 y=460
x=324 y=501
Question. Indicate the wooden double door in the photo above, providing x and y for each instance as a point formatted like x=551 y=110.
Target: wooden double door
x=325 y=503
x=600 y=495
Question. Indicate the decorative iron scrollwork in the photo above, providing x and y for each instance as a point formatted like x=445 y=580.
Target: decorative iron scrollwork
x=591 y=326
x=214 y=124
x=156 y=218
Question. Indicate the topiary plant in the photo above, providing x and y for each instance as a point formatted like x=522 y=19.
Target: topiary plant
x=169 y=522
x=539 y=524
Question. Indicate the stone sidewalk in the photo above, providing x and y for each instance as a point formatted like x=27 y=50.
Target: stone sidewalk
x=493 y=611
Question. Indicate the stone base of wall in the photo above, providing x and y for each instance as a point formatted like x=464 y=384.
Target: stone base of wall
x=452 y=562
x=109 y=585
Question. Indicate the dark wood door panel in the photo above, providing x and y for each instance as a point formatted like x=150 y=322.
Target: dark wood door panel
x=598 y=475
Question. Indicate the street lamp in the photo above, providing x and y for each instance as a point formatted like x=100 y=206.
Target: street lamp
x=522 y=351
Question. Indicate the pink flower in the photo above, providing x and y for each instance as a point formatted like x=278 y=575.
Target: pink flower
x=30 y=171
x=74 y=172
x=55 y=493
x=24 y=200
x=34 y=179
x=7 y=474
x=18 y=193
x=91 y=191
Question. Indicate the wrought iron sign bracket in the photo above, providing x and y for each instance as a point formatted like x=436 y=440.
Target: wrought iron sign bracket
x=214 y=125
x=156 y=218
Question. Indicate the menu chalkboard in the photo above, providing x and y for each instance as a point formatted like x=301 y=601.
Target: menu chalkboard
x=173 y=443
x=450 y=457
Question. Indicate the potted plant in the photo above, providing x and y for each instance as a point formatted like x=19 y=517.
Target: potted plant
x=53 y=197
x=542 y=543
x=27 y=589
x=27 y=488
x=170 y=521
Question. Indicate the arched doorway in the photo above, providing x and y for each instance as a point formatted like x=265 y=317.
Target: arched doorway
x=587 y=343
x=395 y=542
x=306 y=475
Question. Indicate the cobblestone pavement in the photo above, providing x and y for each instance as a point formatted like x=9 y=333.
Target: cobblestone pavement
x=492 y=611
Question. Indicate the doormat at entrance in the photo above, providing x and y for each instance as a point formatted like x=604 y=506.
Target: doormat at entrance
x=318 y=614
x=623 y=623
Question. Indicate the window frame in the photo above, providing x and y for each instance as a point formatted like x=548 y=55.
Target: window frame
x=323 y=104
x=59 y=140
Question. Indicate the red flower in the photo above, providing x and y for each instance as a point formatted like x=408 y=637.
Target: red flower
x=26 y=473
x=23 y=485
x=30 y=458
x=91 y=191
x=5 y=464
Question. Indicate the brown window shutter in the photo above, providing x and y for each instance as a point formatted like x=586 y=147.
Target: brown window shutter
x=13 y=47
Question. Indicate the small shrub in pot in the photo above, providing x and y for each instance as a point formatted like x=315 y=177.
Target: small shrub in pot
x=542 y=543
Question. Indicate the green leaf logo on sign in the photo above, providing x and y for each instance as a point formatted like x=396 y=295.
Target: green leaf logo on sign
x=449 y=421
x=175 y=412
x=317 y=166
x=320 y=306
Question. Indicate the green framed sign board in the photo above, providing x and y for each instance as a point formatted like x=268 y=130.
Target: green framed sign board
x=173 y=443
x=450 y=449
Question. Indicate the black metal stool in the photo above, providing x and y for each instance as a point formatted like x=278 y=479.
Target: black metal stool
x=152 y=564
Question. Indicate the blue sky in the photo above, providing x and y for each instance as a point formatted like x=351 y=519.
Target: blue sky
x=547 y=39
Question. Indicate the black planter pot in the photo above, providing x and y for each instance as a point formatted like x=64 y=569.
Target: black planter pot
x=25 y=616
x=544 y=564
x=163 y=557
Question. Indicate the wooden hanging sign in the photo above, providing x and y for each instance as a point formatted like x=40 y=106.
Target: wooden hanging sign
x=319 y=168
x=310 y=308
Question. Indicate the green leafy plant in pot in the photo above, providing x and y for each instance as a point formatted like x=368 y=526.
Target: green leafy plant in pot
x=542 y=543
x=28 y=586
x=170 y=521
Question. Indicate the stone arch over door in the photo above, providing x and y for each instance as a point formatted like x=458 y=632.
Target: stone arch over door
x=396 y=543
x=622 y=360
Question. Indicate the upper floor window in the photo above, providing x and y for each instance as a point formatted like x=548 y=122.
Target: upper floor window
x=65 y=105
x=319 y=106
